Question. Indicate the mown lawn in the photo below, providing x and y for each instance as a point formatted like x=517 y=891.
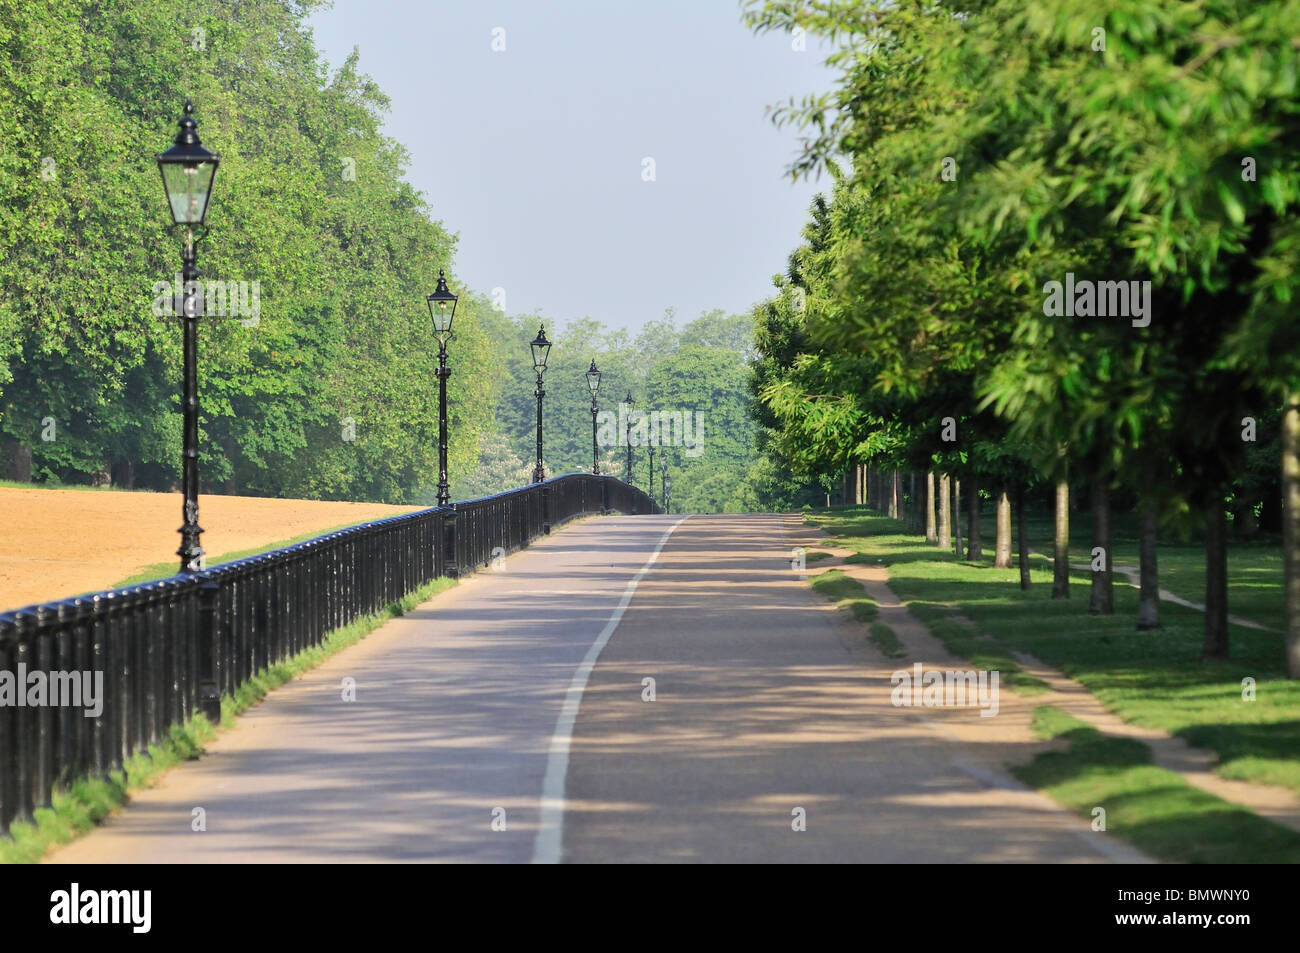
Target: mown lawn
x=1154 y=809
x=1254 y=568
x=1153 y=678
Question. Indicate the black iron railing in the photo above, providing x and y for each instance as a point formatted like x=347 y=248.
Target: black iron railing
x=171 y=648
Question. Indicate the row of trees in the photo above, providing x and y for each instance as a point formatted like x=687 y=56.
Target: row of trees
x=333 y=392
x=991 y=157
x=329 y=390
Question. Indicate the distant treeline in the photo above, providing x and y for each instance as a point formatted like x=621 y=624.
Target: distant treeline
x=702 y=369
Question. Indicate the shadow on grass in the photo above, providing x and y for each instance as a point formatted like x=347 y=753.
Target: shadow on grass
x=1153 y=808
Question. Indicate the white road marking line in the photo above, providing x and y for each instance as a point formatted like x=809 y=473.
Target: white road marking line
x=546 y=850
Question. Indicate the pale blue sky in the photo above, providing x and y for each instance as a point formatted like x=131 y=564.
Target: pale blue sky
x=541 y=175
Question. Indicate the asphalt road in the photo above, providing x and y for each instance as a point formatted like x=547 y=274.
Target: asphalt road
x=509 y=720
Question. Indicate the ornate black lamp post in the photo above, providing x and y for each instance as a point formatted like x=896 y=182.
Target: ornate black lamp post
x=541 y=348
x=442 y=308
x=593 y=381
x=188 y=172
x=628 y=437
x=651 y=491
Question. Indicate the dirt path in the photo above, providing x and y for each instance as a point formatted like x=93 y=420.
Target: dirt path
x=1134 y=577
x=60 y=543
x=1196 y=765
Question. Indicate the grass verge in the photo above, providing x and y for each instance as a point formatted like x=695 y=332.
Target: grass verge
x=885 y=639
x=850 y=594
x=1155 y=679
x=1155 y=810
x=87 y=801
x=847 y=592
x=19 y=485
x=957 y=636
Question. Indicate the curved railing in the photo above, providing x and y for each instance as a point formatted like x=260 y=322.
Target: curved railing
x=170 y=648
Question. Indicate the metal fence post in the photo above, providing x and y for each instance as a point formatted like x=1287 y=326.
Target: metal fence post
x=450 y=564
x=209 y=694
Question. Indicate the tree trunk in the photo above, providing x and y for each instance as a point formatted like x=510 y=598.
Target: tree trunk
x=1270 y=513
x=912 y=523
x=974 y=548
x=1216 y=583
x=124 y=474
x=910 y=503
x=895 y=486
x=1148 y=574
x=931 y=532
x=956 y=517
x=102 y=475
x=16 y=461
x=1020 y=536
x=1291 y=529
x=945 y=511
x=1102 y=597
x=1002 y=540
x=1061 y=555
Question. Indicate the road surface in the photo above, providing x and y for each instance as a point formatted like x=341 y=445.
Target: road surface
x=509 y=720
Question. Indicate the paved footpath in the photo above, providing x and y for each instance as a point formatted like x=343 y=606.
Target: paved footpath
x=489 y=703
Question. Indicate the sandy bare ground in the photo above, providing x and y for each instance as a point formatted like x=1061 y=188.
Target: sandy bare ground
x=60 y=543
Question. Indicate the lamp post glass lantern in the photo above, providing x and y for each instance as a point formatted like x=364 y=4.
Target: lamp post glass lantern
x=442 y=309
x=541 y=350
x=189 y=170
x=593 y=382
x=188 y=173
x=627 y=438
